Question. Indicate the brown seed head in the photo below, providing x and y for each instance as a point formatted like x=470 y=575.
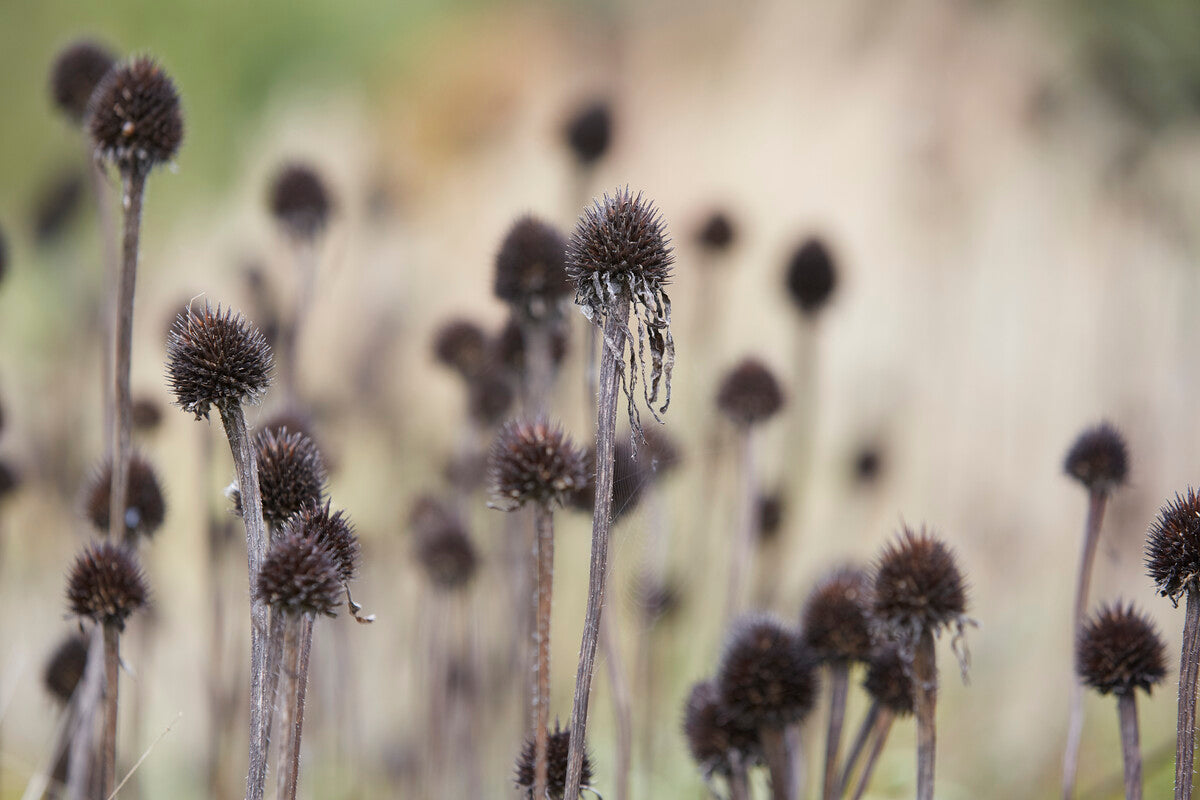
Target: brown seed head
x=717 y=233
x=216 y=358
x=489 y=397
x=558 y=743
x=714 y=737
x=462 y=346
x=836 y=620
x=533 y=461
x=57 y=205
x=1098 y=459
x=1173 y=547
x=144 y=505
x=811 y=277
x=291 y=474
x=106 y=584
x=771 y=509
x=917 y=585
x=65 y=667
x=445 y=551
x=589 y=132
x=147 y=415
x=749 y=393
x=531 y=272
x=1119 y=650
x=767 y=676
x=331 y=531
x=76 y=73
x=134 y=116
x=889 y=680
x=299 y=201
x=620 y=241
x=298 y=576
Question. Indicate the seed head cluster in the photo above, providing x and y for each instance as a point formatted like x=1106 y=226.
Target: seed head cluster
x=749 y=394
x=216 y=358
x=533 y=461
x=836 y=618
x=134 y=116
x=889 y=680
x=462 y=346
x=332 y=532
x=717 y=233
x=1119 y=650
x=298 y=576
x=105 y=584
x=715 y=738
x=531 y=272
x=558 y=742
x=767 y=676
x=77 y=71
x=445 y=551
x=1098 y=459
x=299 y=201
x=145 y=508
x=291 y=474
x=917 y=586
x=1173 y=547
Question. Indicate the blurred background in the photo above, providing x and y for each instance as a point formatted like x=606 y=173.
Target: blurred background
x=1008 y=191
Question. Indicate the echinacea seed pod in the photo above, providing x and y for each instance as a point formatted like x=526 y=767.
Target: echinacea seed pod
x=889 y=680
x=65 y=667
x=714 y=737
x=717 y=233
x=770 y=515
x=868 y=464
x=531 y=272
x=291 y=474
x=299 y=201
x=147 y=415
x=1173 y=547
x=836 y=620
x=445 y=552
x=656 y=598
x=917 y=586
x=558 y=743
x=145 y=508
x=589 y=132
x=134 y=116
x=216 y=358
x=77 y=71
x=533 y=461
x=462 y=346
x=767 y=675
x=106 y=584
x=1098 y=459
x=332 y=531
x=749 y=394
x=428 y=511
x=489 y=397
x=811 y=276
x=298 y=576
x=56 y=205
x=1119 y=650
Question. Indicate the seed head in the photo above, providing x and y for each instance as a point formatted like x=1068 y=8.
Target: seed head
x=811 y=277
x=1173 y=547
x=531 y=272
x=1098 y=459
x=836 y=621
x=770 y=515
x=299 y=201
x=216 y=358
x=77 y=71
x=656 y=598
x=147 y=415
x=533 y=461
x=445 y=551
x=620 y=241
x=717 y=234
x=106 y=584
x=749 y=394
x=917 y=585
x=889 y=680
x=767 y=676
x=1119 y=650
x=558 y=744
x=332 y=532
x=589 y=132
x=57 y=204
x=134 y=116
x=714 y=737
x=462 y=346
x=144 y=505
x=291 y=474
x=65 y=667
x=298 y=576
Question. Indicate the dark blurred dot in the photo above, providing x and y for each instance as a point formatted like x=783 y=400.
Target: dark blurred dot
x=56 y=206
x=868 y=464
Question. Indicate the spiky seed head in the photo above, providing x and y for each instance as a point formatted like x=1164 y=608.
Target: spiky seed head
x=771 y=508
x=77 y=71
x=462 y=346
x=811 y=276
x=65 y=667
x=767 y=676
x=717 y=233
x=299 y=201
x=216 y=358
x=445 y=551
x=534 y=461
x=1098 y=458
x=428 y=511
x=490 y=395
x=620 y=239
x=714 y=737
x=508 y=347
x=1173 y=547
x=589 y=132
x=558 y=745
x=1119 y=650
x=145 y=508
x=749 y=394
x=291 y=474
x=917 y=585
x=134 y=116
x=331 y=531
x=57 y=205
x=298 y=576
x=835 y=620
x=531 y=271
x=889 y=680
x=106 y=584
x=147 y=415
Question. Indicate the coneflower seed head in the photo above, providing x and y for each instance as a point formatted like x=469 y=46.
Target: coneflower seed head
x=533 y=461
x=1173 y=547
x=106 y=584
x=714 y=736
x=1119 y=650
x=1098 y=459
x=889 y=680
x=332 y=532
x=77 y=71
x=917 y=585
x=134 y=116
x=298 y=576
x=749 y=394
x=216 y=358
x=558 y=742
x=836 y=621
x=291 y=474
x=767 y=676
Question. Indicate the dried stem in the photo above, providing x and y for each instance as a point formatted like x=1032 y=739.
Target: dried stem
x=859 y=745
x=778 y=763
x=1130 y=747
x=743 y=543
x=108 y=749
x=306 y=634
x=108 y=238
x=544 y=549
x=622 y=702
x=272 y=698
x=81 y=759
x=739 y=785
x=1189 y=670
x=615 y=331
x=539 y=365
x=839 y=679
x=289 y=732
x=306 y=262
x=881 y=729
x=925 y=696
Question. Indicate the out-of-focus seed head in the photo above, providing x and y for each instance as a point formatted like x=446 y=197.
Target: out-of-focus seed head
x=291 y=474
x=147 y=415
x=65 y=667
x=889 y=680
x=767 y=676
x=134 y=116
x=1098 y=459
x=533 y=461
x=145 y=508
x=917 y=586
x=77 y=71
x=332 y=531
x=589 y=132
x=462 y=346
x=771 y=507
x=428 y=511
x=299 y=201
x=1119 y=650
x=836 y=620
x=445 y=551
x=106 y=584
x=298 y=576
x=1173 y=547
x=558 y=745
x=714 y=736
x=811 y=276
x=749 y=394
x=57 y=205
x=657 y=598
x=531 y=272
x=868 y=464
x=489 y=397
x=216 y=358
x=717 y=233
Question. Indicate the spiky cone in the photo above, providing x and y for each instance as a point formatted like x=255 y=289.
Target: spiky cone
x=888 y=683
x=558 y=744
x=144 y=505
x=719 y=743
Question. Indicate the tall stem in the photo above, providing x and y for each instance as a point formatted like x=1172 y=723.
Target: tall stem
x=881 y=729
x=743 y=543
x=112 y=663
x=775 y=752
x=839 y=679
x=1130 y=746
x=739 y=785
x=539 y=364
x=615 y=330
x=306 y=634
x=925 y=696
x=81 y=758
x=1189 y=670
x=622 y=702
x=544 y=548
x=289 y=669
x=856 y=749
x=108 y=237
x=272 y=699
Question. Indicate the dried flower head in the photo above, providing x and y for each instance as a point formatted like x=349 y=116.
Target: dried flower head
x=299 y=201
x=145 y=508
x=771 y=508
x=749 y=393
x=1119 y=650
x=216 y=358
x=1173 y=547
x=917 y=586
x=490 y=395
x=531 y=271
x=835 y=620
x=589 y=132
x=332 y=531
x=65 y=667
x=558 y=742
x=298 y=576
x=428 y=511
x=57 y=205
x=462 y=346
x=147 y=415
x=446 y=553
x=714 y=737
x=717 y=233
x=1098 y=459
x=106 y=584
x=767 y=676
x=811 y=277
x=889 y=680
x=134 y=116
x=868 y=464
x=291 y=474
x=77 y=71
x=533 y=461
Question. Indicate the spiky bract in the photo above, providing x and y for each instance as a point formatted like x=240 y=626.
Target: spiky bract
x=533 y=461
x=889 y=680
x=291 y=474
x=106 y=584
x=917 y=586
x=331 y=531
x=216 y=358
x=462 y=346
x=144 y=504
x=715 y=738
x=589 y=131
x=1119 y=650
x=298 y=576
x=1098 y=458
x=836 y=617
x=65 y=667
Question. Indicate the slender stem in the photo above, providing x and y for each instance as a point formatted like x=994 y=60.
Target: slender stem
x=881 y=729
x=925 y=696
x=545 y=576
x=539 y=364
x=306 y=262
x=739 y=785
x=306 y=634
x=1189 y=669
x=81 y=759
x=108 y=238
x=743 y=543
x=272 y=697
x=622 y=702
x=615 y=331
x=1130 y=747
x=112 y=663
x=775 y=752
x=839 y=679
x=856 y=749
x=289 y=669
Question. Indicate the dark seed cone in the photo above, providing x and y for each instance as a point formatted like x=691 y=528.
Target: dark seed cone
x=767 y=676
x=717 y=234
x=749 y=394
x=589 y=132
x=508 y=347
x=145 y=508
x=299 y=201
x=489 y=397
x=557 y=744
x=1119 y=650
x=332 y=532
x=106 y=584
x=298 y=576
x=811 y=276
x=291 y=474
x=917 y=586
x=65 y=667
x=868 y=464
x=147 y=415
x=1098 y=459
x=76 y=73
x=621 y=238
x=134 y=116
x=57 y=206
x=532 y=461
x=216 y=358
x=531 y=272
x=713 y=734
x=889 y=680
x=462 y=346
x=1173 y=547
x=427 y=512
x=445 y=551
x=771 y=509
x=836 y=620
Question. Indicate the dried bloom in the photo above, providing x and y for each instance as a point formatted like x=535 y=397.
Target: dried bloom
x=531 y=272
x=76 y=73
x=767 y=676
x=428 y=511
x=331 y=531
x=147 y=415
x=1098 y=459
x=558 y=743
x=589 y=132
x=134 y=116
x=532 y=461
x=216 y=358
x=291 y=474
x=1119 y=650
x=749 y=394
x=868 y=463
x=811 y=277
x=65 y=667
x=1173 y=547
x=714 y=737
x=445 y=551
x=835 y=619
x=145 y=508
x=889 y=680
x=917 y=586
x=298 y=576
x=299 y=201
x=462 y=346
x=106 y=584
x=717 y=233
x=56 y=205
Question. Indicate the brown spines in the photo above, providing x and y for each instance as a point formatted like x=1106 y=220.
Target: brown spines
x=1173 y=547
x=557 y=745
x=533 y=461
x=105 y=584
x=531 y=273
x=299 y=201
x=134 y=116
x=836 y=621
x=766 y=677
x=216 y=358
x=298 y=577
x=715 y=737
x=77 y=71
x=917 y=585
x=749 y=394
x=1119 y=650
x=1098 y=458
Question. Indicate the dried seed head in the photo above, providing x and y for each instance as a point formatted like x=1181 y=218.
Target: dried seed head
x=1098 y=459
x=106 y=584
x=531 y=272
x=509 y=346
x=465 y=471
x=1173 y=547
x=216 y=358
x=532 y=461
x=889 y=680
x=917 y=586
x=489 y=397
x=428 y=511
x=1119 y=650
x=714 y=737
x=331 y=531
x=558 y=743
x=147 y=415
x=446 y=553
x=65 y=667
x=299 y=201
x=589 y=132
x=462 y=346
x=836 y=620
x=144 y=505
x=868 y=464
x=767 y=676
x=298 y=576
x=749 y=394
x=76 y=73
x=717 y=233
x=811 y=277
x=770 y=515
x=134 y=116
x=57 y=205
x=291 y=474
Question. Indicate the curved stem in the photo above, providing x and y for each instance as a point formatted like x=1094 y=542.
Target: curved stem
x=881 y=729
x=544 y=549
x=1189 y=670
x=860 y=743
x=925 y=695
x=839 y=678
x=622 y=702
x=1130 y=747
x=775 y=752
